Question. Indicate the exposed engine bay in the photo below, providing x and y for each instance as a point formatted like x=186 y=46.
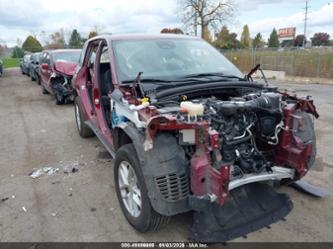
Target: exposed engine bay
x=248 y=127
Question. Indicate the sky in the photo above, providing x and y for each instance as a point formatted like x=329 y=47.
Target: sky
x=19 y=18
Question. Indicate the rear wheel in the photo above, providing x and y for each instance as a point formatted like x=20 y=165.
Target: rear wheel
x=32 y=78
x=82 y=128
x=132 y=192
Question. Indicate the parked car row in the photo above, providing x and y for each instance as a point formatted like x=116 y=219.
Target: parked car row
x=188 y=131
x=53 y=70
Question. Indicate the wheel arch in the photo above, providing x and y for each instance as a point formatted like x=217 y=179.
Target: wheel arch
x=166 y=159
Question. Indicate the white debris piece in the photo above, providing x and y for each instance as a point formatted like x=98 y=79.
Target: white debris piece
x=46 y=170
x=24 y=209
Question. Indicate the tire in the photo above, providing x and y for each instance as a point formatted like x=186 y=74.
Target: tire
x=83 y=129
x=59 y=100
x=143 y=218
x=32 y=78
x=44 y=91
x=38 y=80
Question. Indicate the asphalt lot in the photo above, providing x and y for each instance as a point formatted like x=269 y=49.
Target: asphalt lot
x=83 y=206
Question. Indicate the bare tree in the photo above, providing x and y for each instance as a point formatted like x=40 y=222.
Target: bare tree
x=206 y=13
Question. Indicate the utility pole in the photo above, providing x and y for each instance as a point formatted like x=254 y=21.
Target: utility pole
x=306 y=21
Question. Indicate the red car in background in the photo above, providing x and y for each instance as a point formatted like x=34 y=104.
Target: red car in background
x=57 y=68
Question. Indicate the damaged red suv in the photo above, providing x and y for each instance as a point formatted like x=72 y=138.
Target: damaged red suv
x=190 y=132
x=57 y=68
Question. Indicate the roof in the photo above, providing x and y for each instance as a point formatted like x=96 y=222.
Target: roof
x=117 y=37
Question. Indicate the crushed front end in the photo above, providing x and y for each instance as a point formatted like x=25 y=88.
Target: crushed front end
x=236 y=145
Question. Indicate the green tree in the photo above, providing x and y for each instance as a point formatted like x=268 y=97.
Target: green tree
x=273 y=41
x=258 y=41
x=31 y=44
x=245 y=38
x=75 y=41
x=227 y=40
x=17 y=52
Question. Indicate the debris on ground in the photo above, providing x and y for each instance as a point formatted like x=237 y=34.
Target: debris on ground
x=46 y=170
x=4 y=199
x=13 y=196
x=54 y=214
x=72 y=168
x=24 y=209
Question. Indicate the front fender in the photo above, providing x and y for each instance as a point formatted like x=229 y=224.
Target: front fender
x=164 y=170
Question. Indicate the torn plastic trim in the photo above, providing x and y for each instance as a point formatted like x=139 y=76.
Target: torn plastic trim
x=278 y=173
x=123 y=109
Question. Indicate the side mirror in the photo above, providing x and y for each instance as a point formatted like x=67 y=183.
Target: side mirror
x=45 y=66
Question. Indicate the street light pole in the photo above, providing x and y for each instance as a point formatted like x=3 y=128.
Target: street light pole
x=306 y=22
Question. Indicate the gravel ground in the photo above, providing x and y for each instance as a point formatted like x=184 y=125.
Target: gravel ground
x=83 y=207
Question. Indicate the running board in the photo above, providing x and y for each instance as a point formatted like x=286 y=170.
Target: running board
x=106 y=144
x=248 y=209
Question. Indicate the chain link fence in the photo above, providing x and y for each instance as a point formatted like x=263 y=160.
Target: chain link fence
x=310 y=63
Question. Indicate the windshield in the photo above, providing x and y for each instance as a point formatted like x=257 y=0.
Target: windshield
x=72 y=56
x=169 y=59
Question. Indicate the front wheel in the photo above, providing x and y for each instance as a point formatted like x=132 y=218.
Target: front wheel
x=82 y=128
x=132 y=192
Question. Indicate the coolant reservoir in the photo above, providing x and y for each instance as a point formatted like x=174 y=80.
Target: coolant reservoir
x=193 y=109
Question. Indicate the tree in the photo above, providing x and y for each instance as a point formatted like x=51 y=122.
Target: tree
x=31 y=44
x=92 y=34
x=258 y=41
x=2 y=50
x=299 y=40
x=273 y=41
x=320 y=39
x=206 y=13
x=245 y=38
x=17 y=52
x=207 y=35
x=172 y=31
x=227 y=40
x=75 y=41
x=57 y=40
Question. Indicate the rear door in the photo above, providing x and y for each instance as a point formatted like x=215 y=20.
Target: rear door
x=45 y=73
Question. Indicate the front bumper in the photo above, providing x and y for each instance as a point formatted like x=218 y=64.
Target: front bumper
x=248 y=209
